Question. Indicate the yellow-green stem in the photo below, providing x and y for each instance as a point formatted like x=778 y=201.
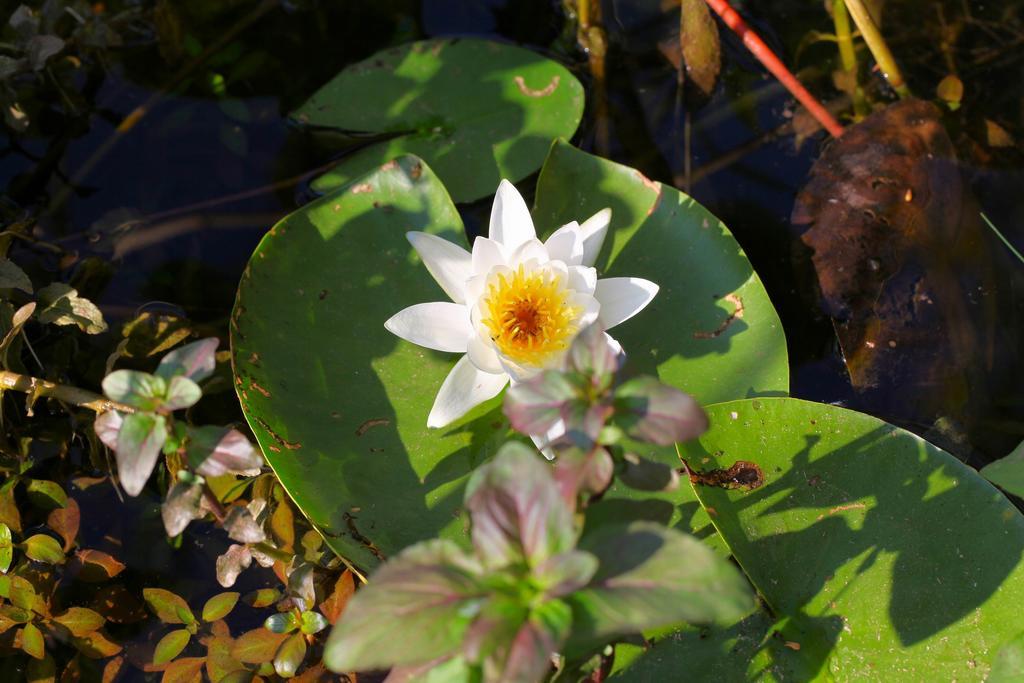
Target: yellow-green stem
x=848 y=56
x=879 y=49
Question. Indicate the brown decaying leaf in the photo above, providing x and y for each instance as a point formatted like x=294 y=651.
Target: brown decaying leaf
x=184 y=670
x=95 y=565
x=698 y=38
x=65 y=521
x=333 y=606
x=119 y=605
x=905 y=267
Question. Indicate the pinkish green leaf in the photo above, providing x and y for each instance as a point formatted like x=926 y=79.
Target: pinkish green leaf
x=425 y=597
x=657 y=413
x=517 y=510
x=139 y=441
x=213 y=451
x=195 y=361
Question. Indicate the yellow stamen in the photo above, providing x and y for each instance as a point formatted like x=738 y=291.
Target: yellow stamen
x=529 y=315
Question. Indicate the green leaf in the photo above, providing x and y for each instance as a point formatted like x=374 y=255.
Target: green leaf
x=1008 y=665
x=170 y=646
x=138 y=389
x=711 y=331
x=517 y=510
x=898 y=554
x=32 y=641
x=168 y=607
x=477 y=111
x=46 y=494
x=219 y=606
x=650 y=576
x=283 y=622
x=6 y=548
x=181 y=393
x=425 y=597
x=44 y=548
x=313 y=622
x=195 y=361
x=290 y=655
x=1008 y=473
x=528 y=656
x=330 y=275
x=80 y=620
x=13 y=277
x=139 y=441
x=61 y=305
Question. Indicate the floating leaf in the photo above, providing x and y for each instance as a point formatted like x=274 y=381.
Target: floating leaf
x=46 y=494
x=43 y=548
x=184 y=670
x=139 y=441
x=890 y=522
x=265 y=597
x=9 y=514
x=1008 y=473
x=96 y=565
x=119 y=605
x=477 y=111
x=13 y=277
x=61 y=305
x=257 y=646
x=96 y=645
x=170 y=646
x=80 y=620
x=219 y=606
x=195 y=361
x=334 y=605
x=168 y=607
x=698 y=40
x=290 y=655
x=65 y=521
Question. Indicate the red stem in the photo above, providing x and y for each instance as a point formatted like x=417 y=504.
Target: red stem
x=771 y=62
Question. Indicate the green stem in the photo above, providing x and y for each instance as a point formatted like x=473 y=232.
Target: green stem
x=848 y=56
x=62 y=392
x=1000 y=235
x=876 y=43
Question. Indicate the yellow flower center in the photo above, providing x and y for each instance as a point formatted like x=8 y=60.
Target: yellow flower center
x=529 y=315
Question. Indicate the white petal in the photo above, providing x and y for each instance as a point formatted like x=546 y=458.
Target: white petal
x=475 y=286
x=486 y=254
x=582 y=279
x=590 y=305
x=450 y=264
x=437 y=325
x=530 y=250
x=510 y=219
x=543 y=443
x=623 y=297
x=566 y=244
x=593 y=231
x=483 y=356
x=464 y=388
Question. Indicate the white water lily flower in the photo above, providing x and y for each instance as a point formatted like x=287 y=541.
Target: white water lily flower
x=517 y=302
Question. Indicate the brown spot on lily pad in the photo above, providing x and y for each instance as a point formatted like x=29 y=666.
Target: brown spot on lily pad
x=743 y=474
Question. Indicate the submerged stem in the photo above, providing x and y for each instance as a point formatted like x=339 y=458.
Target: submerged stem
x=848 y=56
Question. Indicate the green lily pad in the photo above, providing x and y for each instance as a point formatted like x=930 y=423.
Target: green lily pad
x=887 y=557
x=711 y=330
x=477 y=111
x=337 y=403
